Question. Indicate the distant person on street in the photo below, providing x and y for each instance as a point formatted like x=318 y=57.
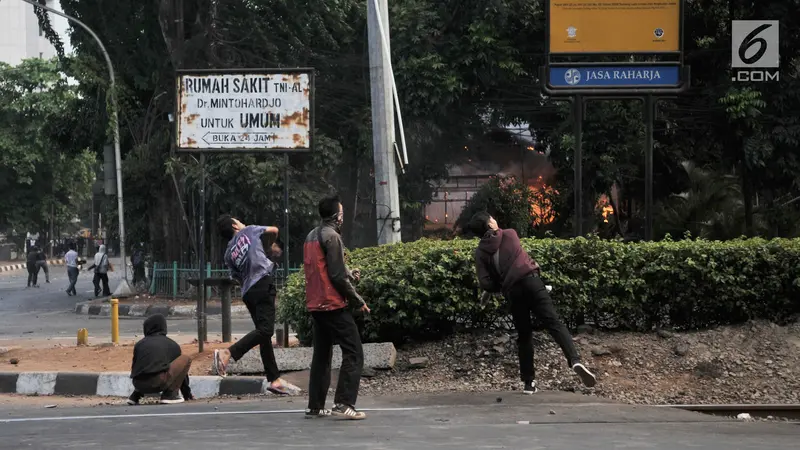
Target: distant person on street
x=41 y=261
x=137 y=261
x=250 y=265
x=71 y=259
x=330 y=294
x=504 y=266
x=33 y=267
x=101 y=267
x=158 y=366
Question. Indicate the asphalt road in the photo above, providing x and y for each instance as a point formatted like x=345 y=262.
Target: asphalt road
x=437 y=422
x=48 y=312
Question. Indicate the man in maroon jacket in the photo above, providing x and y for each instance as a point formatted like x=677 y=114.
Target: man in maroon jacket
x=329 y=295
x=503 y=266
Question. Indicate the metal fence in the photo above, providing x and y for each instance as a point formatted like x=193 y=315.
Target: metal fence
x=172 y=280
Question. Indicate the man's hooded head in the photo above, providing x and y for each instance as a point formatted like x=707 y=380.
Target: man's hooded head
x=155 y=324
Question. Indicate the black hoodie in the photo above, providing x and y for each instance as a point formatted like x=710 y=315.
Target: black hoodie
x=154 y=353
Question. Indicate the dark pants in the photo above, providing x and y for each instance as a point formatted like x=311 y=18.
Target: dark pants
x=339 y=326
x=530 y=295
x=72 y=274
x=260 y=301
x=170 y=380
x=33 y=274
x=138 y=273
x=98 y=277
x=43 y=265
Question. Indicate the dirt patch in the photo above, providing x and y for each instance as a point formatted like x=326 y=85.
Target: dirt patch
x=96 y=358
x=753 y=363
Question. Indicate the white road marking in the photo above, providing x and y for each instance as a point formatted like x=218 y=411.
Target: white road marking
x=179 y=414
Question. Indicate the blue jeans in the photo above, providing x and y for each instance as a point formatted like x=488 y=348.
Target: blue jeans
x=72 y=274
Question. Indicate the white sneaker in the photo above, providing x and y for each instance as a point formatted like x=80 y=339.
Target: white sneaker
x=588 y=378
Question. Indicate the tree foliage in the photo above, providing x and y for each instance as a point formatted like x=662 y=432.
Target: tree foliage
x=463 y=68
x=44 y=172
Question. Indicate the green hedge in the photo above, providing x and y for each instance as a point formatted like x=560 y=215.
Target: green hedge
x=428 y=288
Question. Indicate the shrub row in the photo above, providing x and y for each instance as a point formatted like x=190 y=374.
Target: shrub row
x=428 y=288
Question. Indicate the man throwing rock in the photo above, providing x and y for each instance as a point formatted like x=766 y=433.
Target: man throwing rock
x=248 y=262
x=329 y=293
x=504 y=266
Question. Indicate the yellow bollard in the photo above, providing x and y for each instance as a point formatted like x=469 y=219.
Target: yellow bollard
x=83 y=337
x=115 y=321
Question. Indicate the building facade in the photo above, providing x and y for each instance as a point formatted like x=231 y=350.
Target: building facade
x=20 y=34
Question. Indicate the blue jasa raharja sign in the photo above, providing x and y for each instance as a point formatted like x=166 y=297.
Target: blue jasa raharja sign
x=614 y=76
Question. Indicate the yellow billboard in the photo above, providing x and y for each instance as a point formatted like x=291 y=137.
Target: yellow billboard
x=614 y=26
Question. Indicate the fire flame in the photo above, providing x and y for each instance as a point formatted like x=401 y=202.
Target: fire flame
x=542 y=210
x=605 y=207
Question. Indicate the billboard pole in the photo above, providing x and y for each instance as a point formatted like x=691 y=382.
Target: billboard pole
x=201 y=254
x=648 y=167
x=285 y=342
x=577 y=105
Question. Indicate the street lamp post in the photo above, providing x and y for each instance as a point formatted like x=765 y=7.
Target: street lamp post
x=124 y=288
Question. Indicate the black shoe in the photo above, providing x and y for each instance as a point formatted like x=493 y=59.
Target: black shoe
x=317 y=413
x=530 y=388
x=171 y=397
x=134 y=398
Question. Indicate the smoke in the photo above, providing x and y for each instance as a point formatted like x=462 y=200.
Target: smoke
x=536 y=169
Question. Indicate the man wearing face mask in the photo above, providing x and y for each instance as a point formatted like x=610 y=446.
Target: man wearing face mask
x=329 y=295
x=250 y=264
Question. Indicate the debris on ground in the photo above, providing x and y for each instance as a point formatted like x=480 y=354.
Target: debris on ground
x=756 y=362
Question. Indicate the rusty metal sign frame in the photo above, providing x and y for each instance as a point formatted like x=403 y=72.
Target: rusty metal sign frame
x=239 y=150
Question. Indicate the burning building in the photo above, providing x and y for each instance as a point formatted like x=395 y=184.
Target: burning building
x=510 y=151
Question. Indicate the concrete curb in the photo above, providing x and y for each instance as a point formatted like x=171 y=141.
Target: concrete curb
x=146 y=310
x=20 y=266
x=118 y=384
x=381 y=355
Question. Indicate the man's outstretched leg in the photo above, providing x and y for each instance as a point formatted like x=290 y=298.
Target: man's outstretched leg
x=542 y=306
x=260 y=302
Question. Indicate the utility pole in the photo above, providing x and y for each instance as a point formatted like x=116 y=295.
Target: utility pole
x=387 y=198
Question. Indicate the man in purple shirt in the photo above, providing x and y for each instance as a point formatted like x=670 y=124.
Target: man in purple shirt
x=504 y=266
x=250 y=265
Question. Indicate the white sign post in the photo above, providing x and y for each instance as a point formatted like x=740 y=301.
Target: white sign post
x=242 y=111
x=252 y=111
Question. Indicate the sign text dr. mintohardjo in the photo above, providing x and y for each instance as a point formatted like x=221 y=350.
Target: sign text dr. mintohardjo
x=247 y=111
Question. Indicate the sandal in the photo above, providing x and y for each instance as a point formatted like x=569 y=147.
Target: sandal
x=219 y=367
x=283 y=387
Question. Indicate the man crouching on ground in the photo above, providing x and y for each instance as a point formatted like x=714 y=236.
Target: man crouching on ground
x=158 y=365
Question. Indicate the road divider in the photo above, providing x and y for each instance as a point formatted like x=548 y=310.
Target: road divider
x=118 y=384
x=21 y=266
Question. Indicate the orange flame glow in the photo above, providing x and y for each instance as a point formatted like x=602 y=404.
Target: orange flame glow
x=604 y=205
x=542 y=210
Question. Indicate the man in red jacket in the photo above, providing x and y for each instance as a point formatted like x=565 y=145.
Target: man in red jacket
x=329 y=295
x=503 y=266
